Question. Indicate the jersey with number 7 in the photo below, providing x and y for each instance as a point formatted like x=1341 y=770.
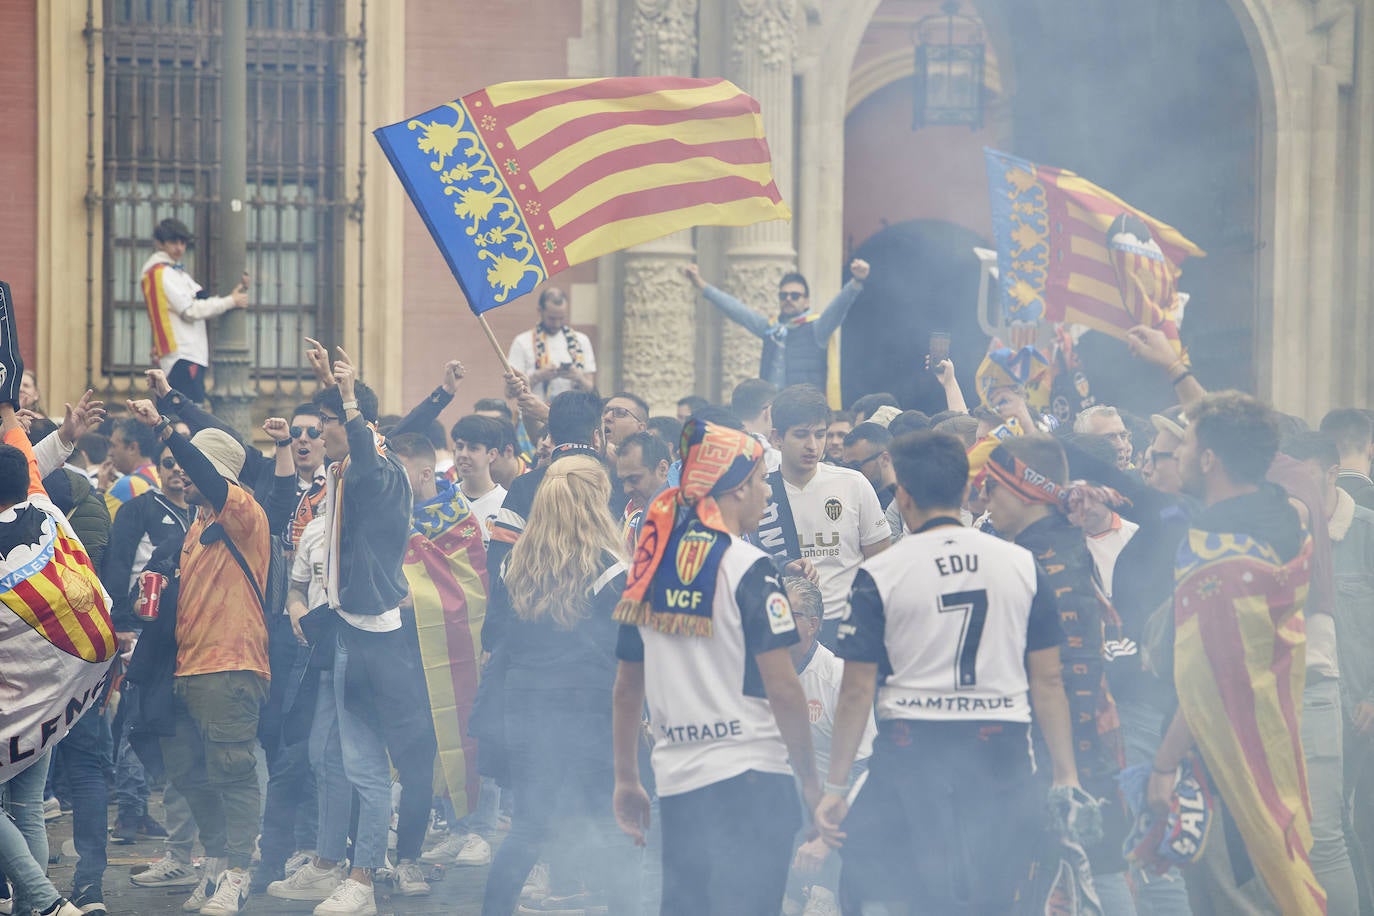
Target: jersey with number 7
x=948 y=616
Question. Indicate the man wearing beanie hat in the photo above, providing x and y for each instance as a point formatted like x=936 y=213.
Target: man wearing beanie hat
x=222 y=667
x=707 y=626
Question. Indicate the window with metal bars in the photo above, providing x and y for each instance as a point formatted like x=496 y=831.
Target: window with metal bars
x=161 y=130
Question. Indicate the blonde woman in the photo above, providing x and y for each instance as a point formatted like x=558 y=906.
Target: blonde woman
x=564 y=576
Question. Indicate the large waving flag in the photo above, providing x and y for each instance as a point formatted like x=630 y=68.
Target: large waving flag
x=446 y=568
x=1070 y=251
x=1239 y=650
x=519 y=181
x=56 y=638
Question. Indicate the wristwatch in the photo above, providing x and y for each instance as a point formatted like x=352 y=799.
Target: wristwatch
x=350 y=405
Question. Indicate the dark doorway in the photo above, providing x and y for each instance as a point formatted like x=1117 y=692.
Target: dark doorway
x=924 y=279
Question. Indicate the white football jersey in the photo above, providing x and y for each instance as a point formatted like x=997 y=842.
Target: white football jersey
x=820 y=681
x=948 y=614
x=707 y=708
x=836 y=515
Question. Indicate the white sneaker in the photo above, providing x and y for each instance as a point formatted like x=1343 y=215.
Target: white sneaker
x=410 y=880
x=469 y=849
x=205 y=888
x=309 y=882
x=66 y=908
x=536 y=885
x=821 y=902
x=352 y=898
x=231 y=893
x=168 y=871
x=52 y=809
x=297 y=861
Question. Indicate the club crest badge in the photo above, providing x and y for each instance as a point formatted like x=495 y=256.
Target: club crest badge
x=692 y=551
x=833 y=509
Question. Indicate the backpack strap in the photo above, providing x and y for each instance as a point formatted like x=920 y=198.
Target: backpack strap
x=215 y=532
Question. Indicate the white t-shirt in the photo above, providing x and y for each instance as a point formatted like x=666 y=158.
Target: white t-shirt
x=820 y=681
x=1107 y=546
x=485 y=508
x=308 y=567
x=836 y=514
x=949 y=614
x=710 y=717
x=556 y=347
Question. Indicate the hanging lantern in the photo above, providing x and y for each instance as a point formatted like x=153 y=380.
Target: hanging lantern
x=949 y=69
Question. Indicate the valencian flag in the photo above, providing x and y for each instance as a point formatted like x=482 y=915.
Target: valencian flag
x=446 y=568
x=1239 y=669
x=1069 y=251
x=519 y=181
x=56 y=638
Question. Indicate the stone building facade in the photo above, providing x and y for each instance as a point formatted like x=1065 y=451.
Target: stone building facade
x=1247 y=123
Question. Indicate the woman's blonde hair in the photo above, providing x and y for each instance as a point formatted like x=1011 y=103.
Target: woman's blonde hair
x=563 y=549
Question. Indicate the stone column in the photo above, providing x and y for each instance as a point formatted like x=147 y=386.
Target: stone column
x=658 y=327
x=763 y=47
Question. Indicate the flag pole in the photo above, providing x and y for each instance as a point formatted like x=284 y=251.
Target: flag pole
x=501 y=354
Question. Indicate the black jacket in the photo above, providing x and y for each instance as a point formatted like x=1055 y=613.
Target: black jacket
x=141 y=525
x=375 y=526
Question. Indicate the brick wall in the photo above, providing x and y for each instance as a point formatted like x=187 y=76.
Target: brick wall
x=19 y=163
x=450 y=51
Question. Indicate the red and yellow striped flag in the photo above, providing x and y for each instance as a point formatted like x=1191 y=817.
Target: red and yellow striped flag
x=519 y=181
x=1070 y=251
x=1239 y=651
x=446 y=568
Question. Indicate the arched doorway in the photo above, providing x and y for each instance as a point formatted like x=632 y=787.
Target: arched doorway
x=1118 y=98
x=924 y=279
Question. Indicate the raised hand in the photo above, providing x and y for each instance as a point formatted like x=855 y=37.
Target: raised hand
x=859 y=269
x=144 y=411
x=79 y=419
x=693 y=274
x=318 y=357
x=157 y=382
x=277 y=429
x=453 y=374
x=344 y=374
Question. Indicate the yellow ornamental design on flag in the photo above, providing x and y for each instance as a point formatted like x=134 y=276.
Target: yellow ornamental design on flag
x=483 y=202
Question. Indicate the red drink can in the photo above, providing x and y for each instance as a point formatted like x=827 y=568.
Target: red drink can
x=150 y=585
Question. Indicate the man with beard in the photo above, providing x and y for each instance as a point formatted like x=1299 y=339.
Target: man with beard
x=222 y=666
x=794 y=344
x=1238 y=666
x=142 y=524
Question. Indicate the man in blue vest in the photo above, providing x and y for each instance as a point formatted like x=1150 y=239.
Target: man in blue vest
x=794 y=343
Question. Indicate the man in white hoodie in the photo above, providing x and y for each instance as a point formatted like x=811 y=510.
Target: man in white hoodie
x=177 y=310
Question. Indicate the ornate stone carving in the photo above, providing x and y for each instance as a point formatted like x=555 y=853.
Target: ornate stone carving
x=765 y=30
x=754 y=281
x=665 y=36
x=658 y=332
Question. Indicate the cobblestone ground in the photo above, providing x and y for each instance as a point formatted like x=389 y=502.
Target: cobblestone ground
x=455 y=890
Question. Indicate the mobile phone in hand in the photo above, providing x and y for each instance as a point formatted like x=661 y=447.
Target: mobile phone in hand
x=938 y=348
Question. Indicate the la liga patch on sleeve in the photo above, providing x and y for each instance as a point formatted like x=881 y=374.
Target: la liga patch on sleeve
x=779 y=614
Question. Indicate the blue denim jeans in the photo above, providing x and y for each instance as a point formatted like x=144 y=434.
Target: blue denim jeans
x=131 y=779
x=348 y=754
x=1157 y=895
x=83 y=757
x=1322 y=748
x=24 y=839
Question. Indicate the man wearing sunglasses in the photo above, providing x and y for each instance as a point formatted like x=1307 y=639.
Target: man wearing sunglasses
x=140 y=525
x=794 y=343
x=865 y=451
x=307 y=455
